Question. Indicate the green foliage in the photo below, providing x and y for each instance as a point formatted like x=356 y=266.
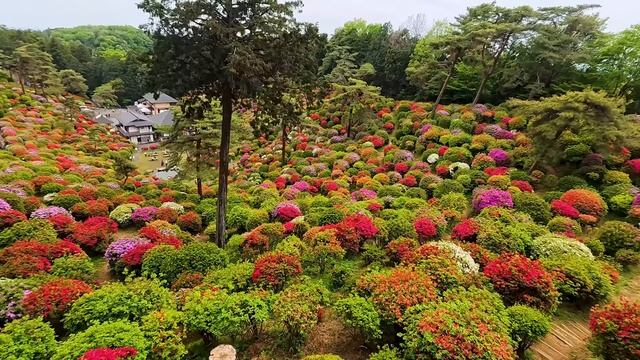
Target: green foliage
x=533 y=205
x=165 y=331
x=36 y=229
x=234 y=277
x=526 y=326
x=592 y=116
x=616 y=235
x=221 y=314
x=580 y=280
x=110 y=334
x=27 y=339
x=118 y=301
x=360 y=314
x=77 y=267
x=166 y=262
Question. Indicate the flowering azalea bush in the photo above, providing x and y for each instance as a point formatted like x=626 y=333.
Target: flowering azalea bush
x=51 y=300
x=484 y=198
x=95 y=233
x=109 y=353
x=522 y=281
x=275 y=269
x=616 y=329
x=395 y=291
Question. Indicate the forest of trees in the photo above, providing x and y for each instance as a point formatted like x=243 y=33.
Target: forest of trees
x=489 y=54
x=100 y=54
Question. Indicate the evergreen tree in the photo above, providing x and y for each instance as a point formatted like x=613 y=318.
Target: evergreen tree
x=225 y=49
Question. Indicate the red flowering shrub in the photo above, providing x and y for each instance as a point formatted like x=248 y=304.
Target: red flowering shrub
x=26 y=258
x=585 y=201
x=564 y=209
x=521 y=280
x=522 y=185
x=10 y=217
x=87 y=193
x=51 y=300
x=401 y=168
x=190 y=222
x=455 y=330
x=395 y=291
x=109 y=354
x=616 y=329
x=62 y=223
x=255 y=242
x=466 y=230
x=426 y=229
x=167 y=214
x=402 y=250
x=95 y=233
x=275 y=268
x=133 y=257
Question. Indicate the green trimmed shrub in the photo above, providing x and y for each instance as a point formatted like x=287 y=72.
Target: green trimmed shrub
x=27 y=339
x=117 y=301
x=111 y=334
x=617 y=235
x=526 y=326
x=359 y=313
x=579 y=280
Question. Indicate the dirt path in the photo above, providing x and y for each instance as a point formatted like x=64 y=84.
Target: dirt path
x=569 y=337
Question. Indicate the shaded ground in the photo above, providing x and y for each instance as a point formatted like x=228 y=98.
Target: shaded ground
x=570 y=334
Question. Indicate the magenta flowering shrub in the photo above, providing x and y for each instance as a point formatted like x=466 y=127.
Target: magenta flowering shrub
x=144 y=214
x=49 y=212
x=484 y=198
x=500 y=156
x=4 y=206
x=118 y=248
x=286 y=211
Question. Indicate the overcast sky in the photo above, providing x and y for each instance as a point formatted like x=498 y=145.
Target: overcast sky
x=328 y=14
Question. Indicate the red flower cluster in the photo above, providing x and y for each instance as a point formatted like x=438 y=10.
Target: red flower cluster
x=26 y=258
x=524 y=186
x=585 y=201
x=95 y=232
x=190 y=222
x=521 y=280
x=133 y=257
x=466 y=230
x=495 y=171
x=10 y=217
x=396 y=291
x=409 y=180
x=616 y=326
x=426 y=229
x=634 y=165
x=401 y=167
x=564 y=209
x=402 y=250
x=275 y=268
x=109 y=354
x=52 y=299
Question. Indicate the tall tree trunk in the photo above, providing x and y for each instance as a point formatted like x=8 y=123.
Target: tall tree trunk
x=223 y=174
x=483 y=83
x=198 y=177
x=445 y=83
x=494 y=64
x=21 y=81
x=284 y=143
x=349 y=122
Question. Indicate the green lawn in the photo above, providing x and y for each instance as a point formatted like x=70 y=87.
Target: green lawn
x=145 y=163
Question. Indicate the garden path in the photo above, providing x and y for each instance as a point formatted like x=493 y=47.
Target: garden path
x=569 y=337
